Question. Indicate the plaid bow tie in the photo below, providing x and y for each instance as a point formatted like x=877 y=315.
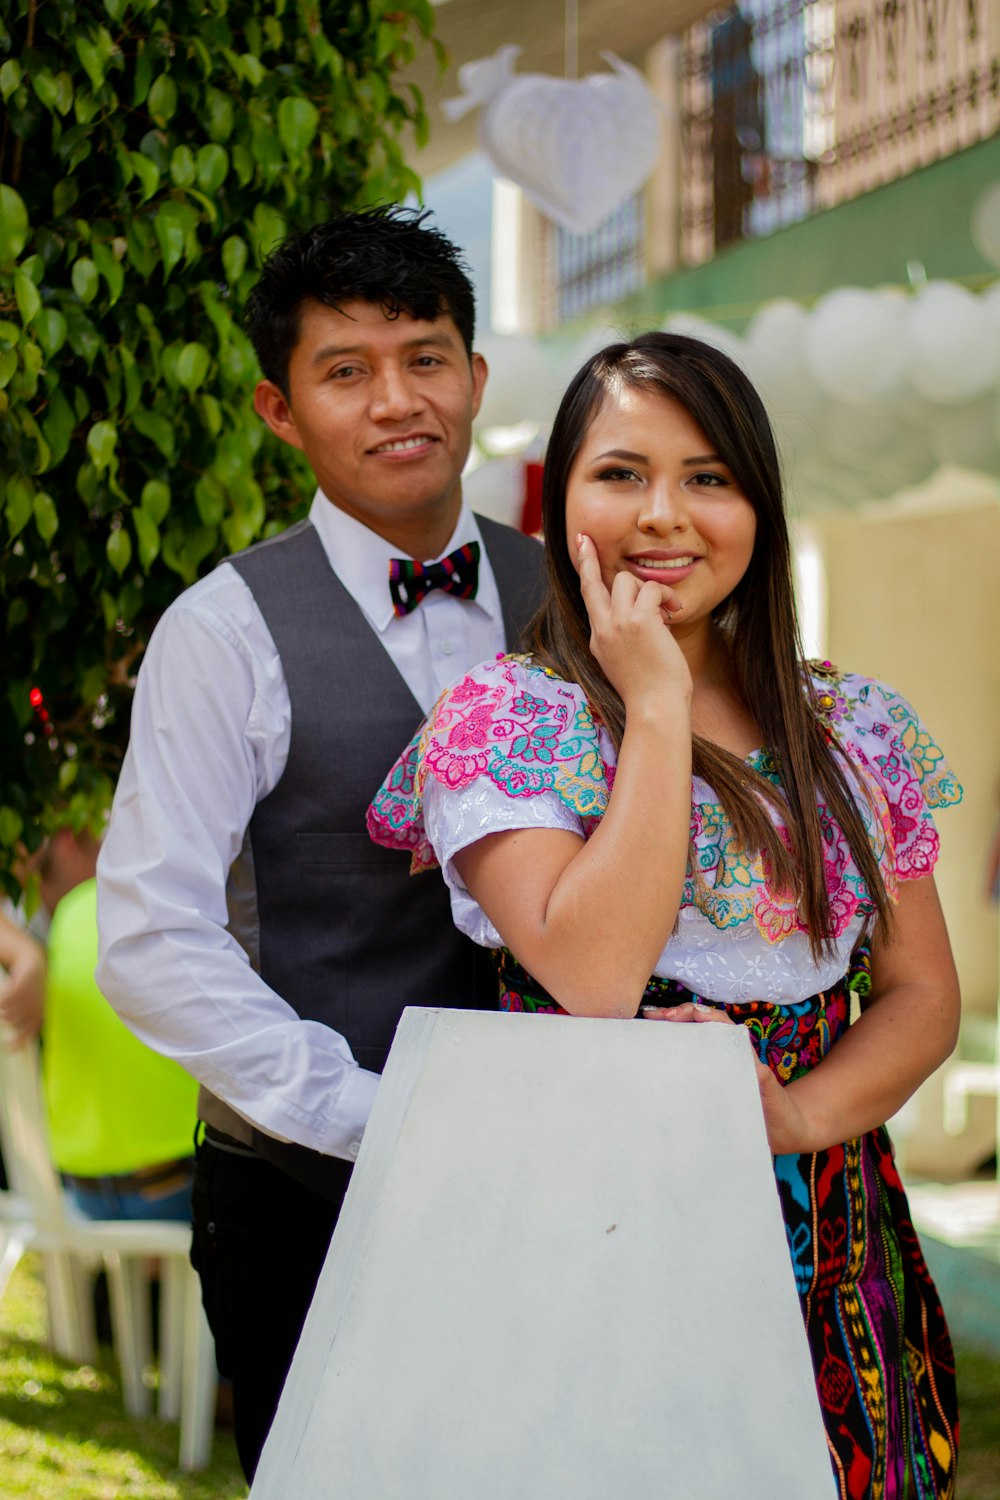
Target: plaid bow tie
x=411 y=582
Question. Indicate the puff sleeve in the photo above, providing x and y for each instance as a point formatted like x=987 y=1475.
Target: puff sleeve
x=883 y=734
x=510 y=746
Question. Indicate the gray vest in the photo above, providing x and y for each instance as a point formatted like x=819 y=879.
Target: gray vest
x=334 y=923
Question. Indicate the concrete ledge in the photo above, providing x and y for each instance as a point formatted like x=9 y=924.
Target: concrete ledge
x=959 y=1228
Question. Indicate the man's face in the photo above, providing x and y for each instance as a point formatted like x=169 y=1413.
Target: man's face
x=382 y=408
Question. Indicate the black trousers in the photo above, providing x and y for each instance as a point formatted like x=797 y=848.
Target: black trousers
x=260 y=1239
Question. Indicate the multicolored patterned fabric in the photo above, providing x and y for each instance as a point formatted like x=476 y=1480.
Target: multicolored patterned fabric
x=530 y=734
x=885 y=1371
x=410 y=582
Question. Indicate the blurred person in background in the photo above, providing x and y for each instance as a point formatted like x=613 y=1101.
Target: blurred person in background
x=121 y=1117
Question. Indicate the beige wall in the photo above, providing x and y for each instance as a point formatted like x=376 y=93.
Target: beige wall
x=913 y=596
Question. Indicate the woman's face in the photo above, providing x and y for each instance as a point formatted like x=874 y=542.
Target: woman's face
x=658 y=502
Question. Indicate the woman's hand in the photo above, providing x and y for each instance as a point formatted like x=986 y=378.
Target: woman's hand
x=787 y=1127
x=907 y=1027
x=629 y=633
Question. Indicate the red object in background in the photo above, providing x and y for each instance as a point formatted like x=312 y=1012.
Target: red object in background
x=37 y=702
x=531 y=515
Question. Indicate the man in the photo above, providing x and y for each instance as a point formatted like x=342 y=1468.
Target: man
x=274 y=694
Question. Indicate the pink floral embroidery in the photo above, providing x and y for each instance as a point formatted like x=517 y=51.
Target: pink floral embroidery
x=529 y=734
x=473 y=731
x=774 y=921
x=468 y=690
x=453 y=770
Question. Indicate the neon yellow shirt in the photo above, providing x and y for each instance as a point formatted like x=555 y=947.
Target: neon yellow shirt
x=114 y=1105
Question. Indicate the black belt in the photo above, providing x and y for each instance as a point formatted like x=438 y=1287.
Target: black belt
x=223 y=1142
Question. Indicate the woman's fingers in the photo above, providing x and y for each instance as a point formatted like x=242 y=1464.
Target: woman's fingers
x=659 y=599
x=689 y=1010
x=595 y=595
x=626 y=594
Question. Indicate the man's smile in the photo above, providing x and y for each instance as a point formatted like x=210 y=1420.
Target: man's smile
x=419 y=441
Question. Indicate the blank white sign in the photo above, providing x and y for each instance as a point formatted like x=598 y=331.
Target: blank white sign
x=560 y=1271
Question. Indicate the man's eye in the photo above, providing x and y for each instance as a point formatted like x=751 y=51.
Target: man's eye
x=426 y=360
x=343 y=372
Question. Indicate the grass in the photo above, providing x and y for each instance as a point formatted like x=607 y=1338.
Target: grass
x=979 y=1406
x=64 y=1434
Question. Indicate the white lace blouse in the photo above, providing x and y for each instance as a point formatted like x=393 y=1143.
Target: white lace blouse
x=514 y=746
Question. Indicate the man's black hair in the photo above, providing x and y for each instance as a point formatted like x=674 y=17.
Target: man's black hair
x=385 y=255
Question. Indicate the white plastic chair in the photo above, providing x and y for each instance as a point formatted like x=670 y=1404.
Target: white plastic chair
x=36 y=1215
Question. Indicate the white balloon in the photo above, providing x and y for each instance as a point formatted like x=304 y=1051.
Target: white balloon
x=989 y=305
x=570 y=357
x=812 y=489
x=823 y=483
x=523 y=384
x=719 y=337
x=854 y=344
x=496 y=489
x=797 y=436
x=857 y=436
x=910 y=459
x=775 y=345
x=953 y=357
x=965 y=435
x=985 y=224
x=911 y=408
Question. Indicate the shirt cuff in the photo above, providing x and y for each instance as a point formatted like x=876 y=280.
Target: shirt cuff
x=354 y=1104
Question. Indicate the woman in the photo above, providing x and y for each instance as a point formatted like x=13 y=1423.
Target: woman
x=662 y=787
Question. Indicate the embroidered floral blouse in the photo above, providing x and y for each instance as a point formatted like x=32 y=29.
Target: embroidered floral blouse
x=514 y=746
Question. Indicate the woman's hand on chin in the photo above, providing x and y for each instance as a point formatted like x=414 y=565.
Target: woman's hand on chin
x=630 y=636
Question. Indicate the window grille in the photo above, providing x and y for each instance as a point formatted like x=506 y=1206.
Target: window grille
x=591 y=270
x=794 y=106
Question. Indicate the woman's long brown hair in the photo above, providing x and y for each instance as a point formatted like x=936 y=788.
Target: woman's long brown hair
x=757 y=621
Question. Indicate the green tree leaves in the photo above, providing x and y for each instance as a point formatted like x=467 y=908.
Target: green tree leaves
x=298 y=122
x=13 y=224
x=211 y=168
x=170 y=149
x=162 y=99
x=192 y=365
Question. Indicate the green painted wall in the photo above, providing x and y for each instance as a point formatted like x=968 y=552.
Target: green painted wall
x=923 y=217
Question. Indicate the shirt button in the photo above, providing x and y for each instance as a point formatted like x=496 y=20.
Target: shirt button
x=447 y=648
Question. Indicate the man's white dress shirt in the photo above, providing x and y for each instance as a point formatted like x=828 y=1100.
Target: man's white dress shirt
x=209 y=739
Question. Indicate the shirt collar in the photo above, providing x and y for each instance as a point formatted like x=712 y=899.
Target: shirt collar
x=360 y=558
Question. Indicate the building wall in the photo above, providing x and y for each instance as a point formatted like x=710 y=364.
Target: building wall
x=913 y=594
x=868 y=242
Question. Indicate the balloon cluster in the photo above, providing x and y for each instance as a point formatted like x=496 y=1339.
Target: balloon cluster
x=872 y=391
x=869 y=391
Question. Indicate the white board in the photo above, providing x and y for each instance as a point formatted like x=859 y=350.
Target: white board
x=560 y=1271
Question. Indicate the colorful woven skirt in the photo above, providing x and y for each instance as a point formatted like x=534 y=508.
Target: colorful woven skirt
x=885 y=1371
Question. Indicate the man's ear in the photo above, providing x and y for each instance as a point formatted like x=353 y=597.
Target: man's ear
x=270 y=402
x=479 y=374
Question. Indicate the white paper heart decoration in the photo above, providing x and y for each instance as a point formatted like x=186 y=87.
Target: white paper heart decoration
x=578 y=148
